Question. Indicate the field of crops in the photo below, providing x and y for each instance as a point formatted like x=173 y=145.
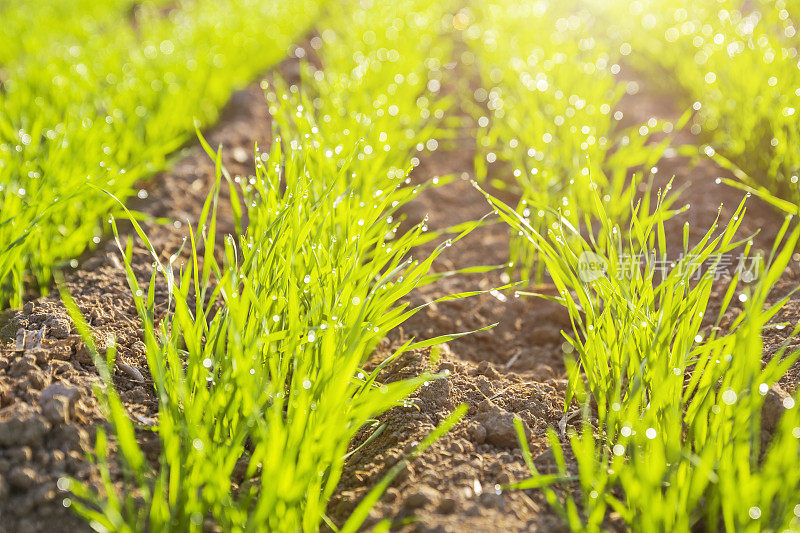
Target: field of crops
x=407 y=265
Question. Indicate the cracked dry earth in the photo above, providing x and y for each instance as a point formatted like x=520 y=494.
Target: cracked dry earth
x=48 y=412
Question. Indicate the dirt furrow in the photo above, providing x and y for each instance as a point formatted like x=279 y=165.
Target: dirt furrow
x=515 y=368
x=48 y=410
x=699 y=180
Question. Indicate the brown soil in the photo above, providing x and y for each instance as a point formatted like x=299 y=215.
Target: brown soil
x=48 y=411
x=698 y=174
x=455 y=485
x=515 y=368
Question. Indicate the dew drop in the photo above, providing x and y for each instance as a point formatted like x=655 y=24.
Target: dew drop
x=729 y=397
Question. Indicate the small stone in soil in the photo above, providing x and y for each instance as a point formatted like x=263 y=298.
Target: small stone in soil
x=773 y=407
x=420 y=497
x=59 y=389
x=130 y=371
x=58 y=327
x=447 y=505
x=22 y=429
x=499 y=426
x=22 y=477
x=477 y=432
